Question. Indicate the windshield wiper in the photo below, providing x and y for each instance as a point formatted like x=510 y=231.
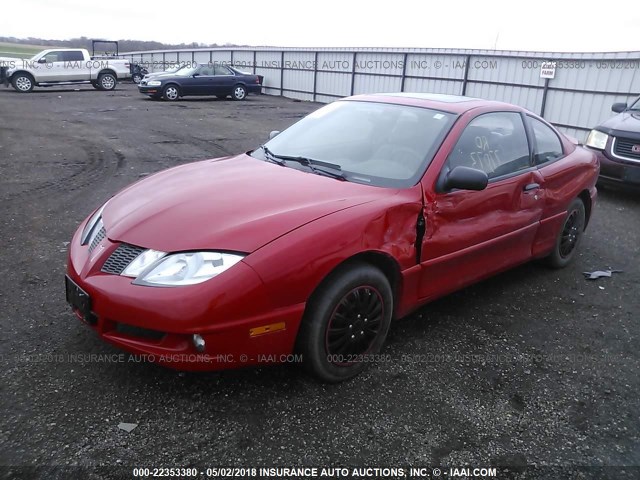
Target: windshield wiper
x=270 y=156
x=328 y=169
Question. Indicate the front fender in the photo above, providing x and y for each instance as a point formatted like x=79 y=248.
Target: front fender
x=293 y=266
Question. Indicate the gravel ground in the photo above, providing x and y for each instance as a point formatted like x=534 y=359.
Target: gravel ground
x=534 y=366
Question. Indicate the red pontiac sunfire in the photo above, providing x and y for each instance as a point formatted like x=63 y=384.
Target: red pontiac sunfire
x=312 y=243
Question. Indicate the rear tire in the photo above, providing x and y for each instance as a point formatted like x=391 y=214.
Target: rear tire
x=346 y=322
x=107 y=81
x=239 y=92
x=570 y=236
x=137 y=78
x=22 y=83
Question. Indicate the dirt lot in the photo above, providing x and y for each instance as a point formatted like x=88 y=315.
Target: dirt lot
x=532 y=367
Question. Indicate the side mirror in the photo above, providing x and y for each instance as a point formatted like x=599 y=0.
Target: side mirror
x=42 y=60
x=465 y=178
x=273 y=134
x=618 y=107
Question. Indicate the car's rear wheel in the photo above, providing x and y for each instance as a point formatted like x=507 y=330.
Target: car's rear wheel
x=137 y=78
x=239 y=92
x=22 y=83
x=346 y=322
x=570 y=235
x=171 y=93
x=107 y=81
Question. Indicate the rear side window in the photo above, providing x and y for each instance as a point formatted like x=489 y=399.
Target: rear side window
x=548 y=145
x=72 y=56
x=495 y=143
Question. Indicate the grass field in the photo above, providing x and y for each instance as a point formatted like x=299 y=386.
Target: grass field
x=19 y=50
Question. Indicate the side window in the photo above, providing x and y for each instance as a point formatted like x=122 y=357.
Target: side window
x=205 y=71
x=221 y=70
x=495 y=143
x=548 y=145
x=54 y=57
x=72 y=56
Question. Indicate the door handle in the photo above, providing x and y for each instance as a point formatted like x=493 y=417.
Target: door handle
x=531 y=186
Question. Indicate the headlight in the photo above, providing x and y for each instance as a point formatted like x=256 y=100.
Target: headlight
x=597 y=139
x=179 y=269
x=154 y=83
x=142 y=262
x=92 y=227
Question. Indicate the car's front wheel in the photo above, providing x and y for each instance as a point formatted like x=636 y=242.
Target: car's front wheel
x=346 y=322
x=137 y=78
x=170 y=93
x=22 y=83
x=570 y=235
x=239 y=92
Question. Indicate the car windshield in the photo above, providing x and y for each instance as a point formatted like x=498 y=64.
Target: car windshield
x=375 y=143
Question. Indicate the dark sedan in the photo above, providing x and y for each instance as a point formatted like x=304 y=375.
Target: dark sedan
x=218 y=80
x=617 y=144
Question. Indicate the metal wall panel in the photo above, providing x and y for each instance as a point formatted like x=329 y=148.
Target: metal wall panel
x=438 y=66
x=202 y=57
x=529 y=98
x=426 y=85
x=243 y=60
x=298 y=80
x=221 y=57
x=376 y=84
x=335 y=61
x=384 y=63
x=505 y=70
x=268 y=59
x=334 y=83
x=299 y=60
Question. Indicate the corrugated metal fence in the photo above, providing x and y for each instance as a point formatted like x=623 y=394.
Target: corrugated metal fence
x=578 y=97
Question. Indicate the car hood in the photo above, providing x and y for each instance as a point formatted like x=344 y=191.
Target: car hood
x=625 y=122
x=235 y=203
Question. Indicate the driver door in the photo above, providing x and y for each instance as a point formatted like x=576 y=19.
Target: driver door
x=471 y=235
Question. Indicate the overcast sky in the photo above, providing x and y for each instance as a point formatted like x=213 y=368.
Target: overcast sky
x=542 y=25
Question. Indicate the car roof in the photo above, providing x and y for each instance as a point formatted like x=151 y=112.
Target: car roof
x=437 y=101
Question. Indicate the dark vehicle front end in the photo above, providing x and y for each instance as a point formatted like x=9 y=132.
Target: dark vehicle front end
x=616 y=142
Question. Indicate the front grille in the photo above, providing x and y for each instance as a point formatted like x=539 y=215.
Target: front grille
x=121 y=258
x=624 y=147
x=97 y=239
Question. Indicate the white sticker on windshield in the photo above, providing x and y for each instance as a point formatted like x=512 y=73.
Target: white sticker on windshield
x=438 y=116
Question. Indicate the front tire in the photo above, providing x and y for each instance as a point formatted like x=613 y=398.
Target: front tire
x=239 y=92
x=570 y=236
x=346 y=321
x=137 y=78
x=23 y=83
x=107 y=81
x=171 y=93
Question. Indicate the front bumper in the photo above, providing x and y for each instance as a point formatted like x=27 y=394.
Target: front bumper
x=616 y=170
x=147 y=90
x=232 y=313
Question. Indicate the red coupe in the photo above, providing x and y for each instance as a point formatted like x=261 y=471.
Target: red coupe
x=311 y=244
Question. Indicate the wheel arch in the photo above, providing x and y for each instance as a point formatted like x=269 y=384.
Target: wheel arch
x=378 y=259
x=24 y=72
x=108 y=70
x=586 y=199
